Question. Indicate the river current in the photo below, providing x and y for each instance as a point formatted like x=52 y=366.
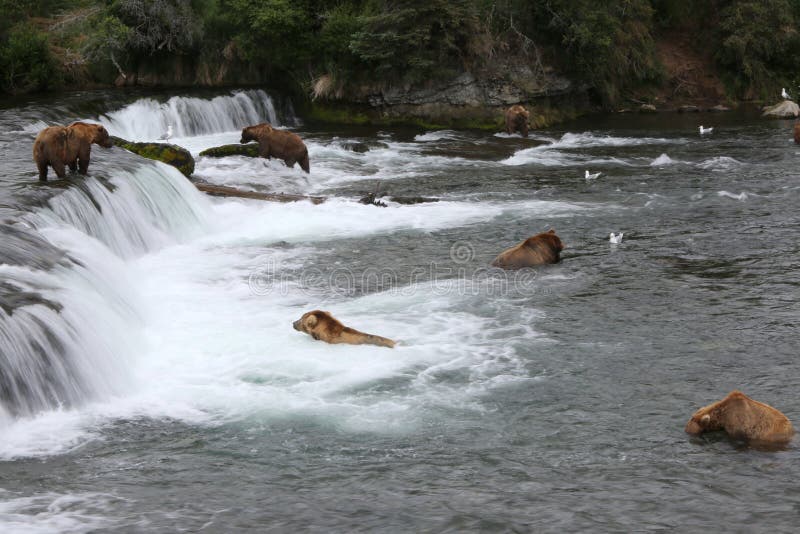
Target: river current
x=151 y=381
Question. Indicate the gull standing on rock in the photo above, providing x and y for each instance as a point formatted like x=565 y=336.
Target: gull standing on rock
x=704 y=131
x=784 y=94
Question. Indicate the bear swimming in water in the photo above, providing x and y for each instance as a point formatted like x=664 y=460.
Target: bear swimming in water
x=323 y=326
x=540 y=249
x=742 y=418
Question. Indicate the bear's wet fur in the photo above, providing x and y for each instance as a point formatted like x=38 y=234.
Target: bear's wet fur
x=277 y=143
x=742 y=418
x=517 y=120
x=50 y=149
x=540 y=249
x=323 y=326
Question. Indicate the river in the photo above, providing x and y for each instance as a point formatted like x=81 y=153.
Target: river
x=151 y=381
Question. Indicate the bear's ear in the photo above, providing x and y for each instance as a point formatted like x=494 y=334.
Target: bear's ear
x=311 y=321
x=551 y=231
x=705 y=419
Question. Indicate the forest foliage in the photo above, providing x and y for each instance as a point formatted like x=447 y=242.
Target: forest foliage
x=606 y=45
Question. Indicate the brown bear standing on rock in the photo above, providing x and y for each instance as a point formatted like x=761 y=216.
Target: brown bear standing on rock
x=742 y=418
x=50 y=148
x=517 y=120
x=80 y=136
x=278 y=143
x=322 y=325
x=537 y=250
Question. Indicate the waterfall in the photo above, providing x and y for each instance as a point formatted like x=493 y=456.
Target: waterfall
x=132 y=213
x=146 y=119
x=68 y=325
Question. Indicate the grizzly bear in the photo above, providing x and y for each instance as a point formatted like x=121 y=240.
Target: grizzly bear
x=537 y=250
x=279 y=143
x=80 y=136
x=517 y=120
x=322 y=325
x=742 y=418
x=50 y=148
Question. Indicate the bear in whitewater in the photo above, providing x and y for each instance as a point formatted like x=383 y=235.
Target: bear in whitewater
x=517 y=118
x=540 y=249
x=742 y=418
x=323 y=326
x=277 y=143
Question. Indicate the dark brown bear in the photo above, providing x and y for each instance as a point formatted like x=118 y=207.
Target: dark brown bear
x=80 y=136
x=278 y=143
x=517 y=120
x=50 y=148
x=742 y=418
x=537 y=250
x=323 y=326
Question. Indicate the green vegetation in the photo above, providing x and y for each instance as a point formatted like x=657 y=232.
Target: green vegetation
x=329 y=49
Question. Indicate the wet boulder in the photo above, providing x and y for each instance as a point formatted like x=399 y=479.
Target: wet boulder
x=174 y=155
x=784 y=110
x=250 y=150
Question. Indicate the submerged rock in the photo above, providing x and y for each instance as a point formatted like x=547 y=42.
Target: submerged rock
x=250 y=150
x=225 y=191
x=374 y=199
x=784 y=110
x=688 y=109
x=174 y=155
x=719 y=108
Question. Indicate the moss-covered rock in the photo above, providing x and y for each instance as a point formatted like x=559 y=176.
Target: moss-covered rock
x=174 y=155
x=249 y=150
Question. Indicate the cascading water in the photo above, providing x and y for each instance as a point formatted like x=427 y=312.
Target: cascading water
x=68 y=326
x=147 y=119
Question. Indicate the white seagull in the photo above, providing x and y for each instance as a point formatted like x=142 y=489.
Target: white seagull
x=615 y=239
x=168 y=134
x=590 y=176
x=784 y=94
x=705 y=130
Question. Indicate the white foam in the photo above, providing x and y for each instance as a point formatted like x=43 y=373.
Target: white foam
x=438 y=135
x=560 y=152
x=720 y=164
x=50 y=512
x=741 y=196
x=662 y=161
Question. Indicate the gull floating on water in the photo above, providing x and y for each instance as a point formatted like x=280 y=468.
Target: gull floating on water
x=784 y=94
x=615 y=239
x=168 y=134
x=705 y=130
x=590 y=176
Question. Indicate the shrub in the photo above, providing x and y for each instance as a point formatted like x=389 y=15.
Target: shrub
x=26 y=63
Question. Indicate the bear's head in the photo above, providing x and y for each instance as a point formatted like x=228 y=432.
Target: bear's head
x=101 y=136
x=252 y=133
x=315 y=323
x=702 y=421
x=549 y=239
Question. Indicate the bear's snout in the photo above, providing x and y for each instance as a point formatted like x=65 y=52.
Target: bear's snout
x=296 y=325
x=693 y=428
